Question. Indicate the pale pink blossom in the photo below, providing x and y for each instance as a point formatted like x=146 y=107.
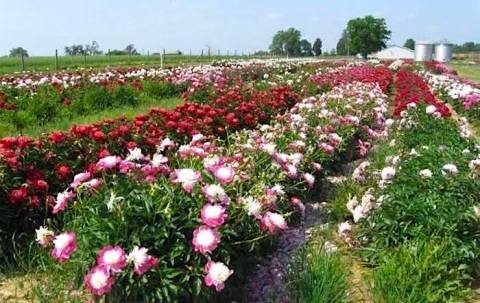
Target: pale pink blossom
x=187 y=177
x=64 y=245
x=273 y=221
x=213 y=215
x=108 y=162
x=141 y=260
x=310 y=179
x=216 y=274
x=80 y=178
x=224 y=174
x=215 y=193
x=44 y=236
x=113 y=257
x=99 y=281
x=205 y=239
x=62 y=201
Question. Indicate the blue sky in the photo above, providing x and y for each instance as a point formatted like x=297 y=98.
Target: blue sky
x=40 y=26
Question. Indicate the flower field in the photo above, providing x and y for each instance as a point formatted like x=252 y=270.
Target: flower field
x=178 y=205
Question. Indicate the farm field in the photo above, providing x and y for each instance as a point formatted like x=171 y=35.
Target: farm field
x=301 y=180
x=47 y=63
x=471 y=71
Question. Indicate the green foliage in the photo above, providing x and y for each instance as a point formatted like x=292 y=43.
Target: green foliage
x=316 y=276
x=162 y=89
x=410 y=43
x=367 y=35
x=342 y=44
x=419 y=272
x=306 y=48
x=317 y=47
x=287 y=42
x=18 y=52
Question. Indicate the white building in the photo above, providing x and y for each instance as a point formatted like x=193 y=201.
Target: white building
x=393 y=52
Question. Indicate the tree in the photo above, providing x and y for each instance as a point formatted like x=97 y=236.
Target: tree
x=367 y=35
x=75 y=50
x=317 y=47
x=306 y=48
x=342 y=44
x=130 y=50
x=410 y=43
x=287 y=42
x=93 y=49
x=18 y=52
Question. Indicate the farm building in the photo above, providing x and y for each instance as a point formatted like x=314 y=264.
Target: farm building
x=394 y=52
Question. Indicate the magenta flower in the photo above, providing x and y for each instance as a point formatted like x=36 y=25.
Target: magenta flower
x=62 y=201
x=187 y=177
x=224 y=174
x=108 y=162
x=64 y=245
x=125 y=166
x=99 y=281
x=273 y=221
x=213 y=215
x=205 y=239
x=141 y=260
x=112 y=257
x=79 y=179
x=215 y=193
x=216 y=274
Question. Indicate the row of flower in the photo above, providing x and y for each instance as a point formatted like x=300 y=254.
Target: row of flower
x=414 y=203
x=463 y=96
x=411 y=88
x=198 y=211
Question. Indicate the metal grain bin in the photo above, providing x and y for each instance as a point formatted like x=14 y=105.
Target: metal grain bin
x=443 y=51
x=423 y=51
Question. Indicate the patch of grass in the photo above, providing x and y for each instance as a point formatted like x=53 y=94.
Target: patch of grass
x=471 y=71
x=317 y=276
x=64 y=124
x=419 y=272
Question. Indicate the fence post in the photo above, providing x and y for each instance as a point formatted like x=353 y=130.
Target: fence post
x=23 y=62
x=161 y=60
x=85 y=60
x=56 y=59
x=109 y=58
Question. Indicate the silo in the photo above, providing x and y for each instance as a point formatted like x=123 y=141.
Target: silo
x=443 y=51
x=423 y=51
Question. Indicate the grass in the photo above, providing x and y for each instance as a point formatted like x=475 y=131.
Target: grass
x=47 y=63
x=65 y=124
x=471 y=71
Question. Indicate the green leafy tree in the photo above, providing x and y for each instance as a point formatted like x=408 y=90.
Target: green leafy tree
x=130 y=50
x=410 y=43
x=367 y=35
x=287 y=42
x=306 y=48
x=317 y=47
x=18 y=52
x=342 y=44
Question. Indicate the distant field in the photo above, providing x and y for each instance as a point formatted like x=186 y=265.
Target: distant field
x=11 y=65
x=471 y=71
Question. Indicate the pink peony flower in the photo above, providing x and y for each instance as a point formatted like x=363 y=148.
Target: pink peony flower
x=310 y=179
x=64 y=245
x=213 y=215
x=273 y=221
x=44 y=236
x=205 y=239
x=112 y=257
x=79 y=179
x=99 y=281
x=94 y=183
x=187 y=177
x=108 y=162
x=224 y=174
x=326 y=148
x=125 y=166
x=62 y=201
x=141 y=260
x=215 y=193
x=216 y=274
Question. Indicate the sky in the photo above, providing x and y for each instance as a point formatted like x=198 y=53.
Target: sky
x=41 y=26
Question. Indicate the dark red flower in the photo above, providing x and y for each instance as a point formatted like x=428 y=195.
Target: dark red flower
x=18 y=194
